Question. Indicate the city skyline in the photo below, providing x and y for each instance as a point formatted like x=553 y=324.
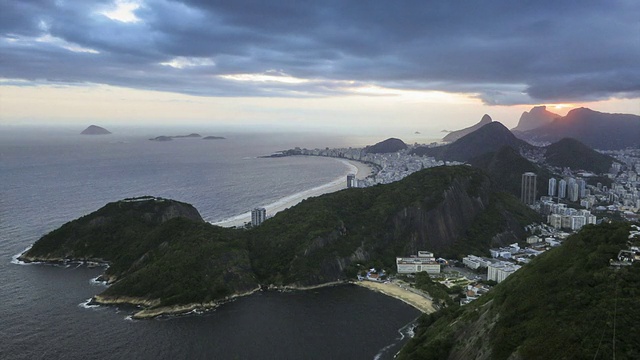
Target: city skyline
x=424 y=66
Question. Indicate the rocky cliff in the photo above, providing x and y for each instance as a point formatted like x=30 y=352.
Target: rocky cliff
x=536 y=117
x=455 y=135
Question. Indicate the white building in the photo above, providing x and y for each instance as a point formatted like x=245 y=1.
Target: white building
x=474 y=262
x=425 y=261
x=258 y=215
x=501 y=270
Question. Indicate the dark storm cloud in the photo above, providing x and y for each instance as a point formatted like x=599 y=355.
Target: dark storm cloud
x=505 y=52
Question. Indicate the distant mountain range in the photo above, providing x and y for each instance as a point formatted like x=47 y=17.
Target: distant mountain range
x=455 y=135
x=390 y=145
x=535 y=118
x=595 y=129
x=488 y=138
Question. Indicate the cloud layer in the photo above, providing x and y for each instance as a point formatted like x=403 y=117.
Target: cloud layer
x=504 y=52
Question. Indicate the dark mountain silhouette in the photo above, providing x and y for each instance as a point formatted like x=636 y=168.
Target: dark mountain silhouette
x=455 y=135
x=506 y=166
x=534 y=118
x=390 y=145
x=95 y=130
x=576 y=155
x=489 y=138
x=595 y=129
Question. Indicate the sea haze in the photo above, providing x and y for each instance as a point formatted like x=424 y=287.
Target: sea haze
x=49 y=178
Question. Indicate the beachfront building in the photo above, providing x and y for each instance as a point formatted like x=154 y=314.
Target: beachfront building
x=425 y=261
x=352 y=181
x=258 y=215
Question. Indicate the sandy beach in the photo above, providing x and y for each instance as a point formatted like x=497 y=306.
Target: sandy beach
x=417 y=301
x=361 y=170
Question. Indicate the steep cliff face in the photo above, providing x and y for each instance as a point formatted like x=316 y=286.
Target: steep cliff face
x=463 y=214
x=438 y=228
x=455 y=135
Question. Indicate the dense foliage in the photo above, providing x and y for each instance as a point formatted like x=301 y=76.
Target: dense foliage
x=506 y=166
x=160 y=249
x=568 y=303
x=574 y=154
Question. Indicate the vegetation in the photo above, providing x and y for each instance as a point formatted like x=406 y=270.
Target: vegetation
x=566 y=304
x=574 y=154
x=489 y=138
x=438 y=292
x=162 y=250
x=506 y=166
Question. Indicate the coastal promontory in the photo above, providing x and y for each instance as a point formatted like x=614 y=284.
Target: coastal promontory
x=164 y=257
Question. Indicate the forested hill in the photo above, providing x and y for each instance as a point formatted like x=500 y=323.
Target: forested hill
x=489 y=138
x=568 y=303
x=161 y=253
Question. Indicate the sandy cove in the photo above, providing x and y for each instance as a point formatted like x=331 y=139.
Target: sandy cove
x=360 y=169
x=417 y=301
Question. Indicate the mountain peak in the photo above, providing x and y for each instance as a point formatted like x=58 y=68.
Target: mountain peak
x=485 y=119
x=595 y=129
x=387 y=146
x=455 y=135
x=534 y=118
x=488 y=138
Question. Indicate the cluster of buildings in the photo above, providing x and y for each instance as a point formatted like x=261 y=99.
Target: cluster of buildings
x=497 y=270
x=390 y=167
x=631 y=254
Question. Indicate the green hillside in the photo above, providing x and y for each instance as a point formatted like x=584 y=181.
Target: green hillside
x=506 y=166
x=574 y=154
x=160 y=250
x=489 y=138
x=566 y=304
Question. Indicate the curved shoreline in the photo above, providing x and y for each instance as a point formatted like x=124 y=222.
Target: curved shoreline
x=419 y=302
x=361 y=170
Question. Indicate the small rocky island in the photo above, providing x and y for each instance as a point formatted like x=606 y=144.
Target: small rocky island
x=169 y=138
x=95 y=130
x=190 y=136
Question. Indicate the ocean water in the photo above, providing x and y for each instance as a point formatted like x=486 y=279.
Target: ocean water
x=48 y=178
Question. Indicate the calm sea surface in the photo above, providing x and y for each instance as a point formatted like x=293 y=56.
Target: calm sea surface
x=49 y=178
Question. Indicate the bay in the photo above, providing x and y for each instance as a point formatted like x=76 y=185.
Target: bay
x=49 y=178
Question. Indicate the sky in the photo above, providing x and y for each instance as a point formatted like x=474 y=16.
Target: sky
x=371 y=66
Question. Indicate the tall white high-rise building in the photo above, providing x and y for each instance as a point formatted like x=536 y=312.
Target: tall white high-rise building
x=562 y=188
x=582 y=185
x=574 y=191
x=352 y=181
x=528 y=188
x=552 y=187
x=258 y=215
